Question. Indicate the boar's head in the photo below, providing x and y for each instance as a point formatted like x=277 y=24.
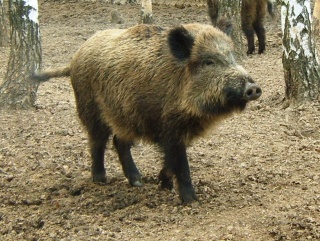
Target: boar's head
x=214 y=83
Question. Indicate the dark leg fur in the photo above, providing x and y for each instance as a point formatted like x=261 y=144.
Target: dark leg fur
x=176 y=162
x=98 y=133
x=98 y=141
x=98 y=137
x=261 y=34
x=249 y=33
x=129 y=168
x=166 y=177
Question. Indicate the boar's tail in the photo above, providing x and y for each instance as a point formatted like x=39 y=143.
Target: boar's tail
x=271 y=7
x=54 y=73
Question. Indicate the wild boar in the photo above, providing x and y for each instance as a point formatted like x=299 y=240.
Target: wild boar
x=253 y=13
x=166 y=86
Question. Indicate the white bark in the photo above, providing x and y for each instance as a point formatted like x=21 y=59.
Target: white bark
x=146 y=11
x=299 y=32
x=33 y=12
x=300 y=58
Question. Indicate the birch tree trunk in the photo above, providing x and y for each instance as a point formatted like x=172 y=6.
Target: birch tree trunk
x=146 y=11
x=18 y=90
x=4 y=35
x=300 y=60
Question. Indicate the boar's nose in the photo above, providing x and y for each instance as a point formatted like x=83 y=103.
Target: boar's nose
x=252 y=91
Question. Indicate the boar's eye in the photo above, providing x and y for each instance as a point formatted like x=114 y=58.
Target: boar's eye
x=208 y=62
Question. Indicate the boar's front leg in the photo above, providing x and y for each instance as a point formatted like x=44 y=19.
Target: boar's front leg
x=129 y=168
x=176 y=163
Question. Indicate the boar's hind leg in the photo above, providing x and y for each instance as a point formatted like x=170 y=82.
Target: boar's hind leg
x=98 y=133
x=98 y=138
x=261 y=34
x=249 y=33
x=176 y=163
x=129 y=168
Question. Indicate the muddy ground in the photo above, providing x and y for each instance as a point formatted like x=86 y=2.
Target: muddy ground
x=257 y=174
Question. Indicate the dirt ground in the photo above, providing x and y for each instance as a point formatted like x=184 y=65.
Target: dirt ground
x=257 y=174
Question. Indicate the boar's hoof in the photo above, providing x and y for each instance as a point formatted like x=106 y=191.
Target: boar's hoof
x=261 y=50
x=252 y=91
x=137 y=183
x=165 y=180
x=166 y=184
x=135 y=180
x=250 y=51
x=99 y=178
x=187 y=195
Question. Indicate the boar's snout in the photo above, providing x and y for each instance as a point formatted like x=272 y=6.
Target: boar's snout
x=252 y=91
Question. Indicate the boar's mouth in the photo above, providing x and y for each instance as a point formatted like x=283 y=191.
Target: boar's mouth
x=234 y=100
x=237 y=98
x=228 y=106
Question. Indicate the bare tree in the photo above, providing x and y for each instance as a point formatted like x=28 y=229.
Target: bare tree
x=4 y=35
x=18 y=90
x=146 y=11
x=300 y=61
x=231 y=9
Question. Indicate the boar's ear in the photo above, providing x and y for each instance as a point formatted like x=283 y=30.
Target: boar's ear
x=225 y=25
x=180 y=42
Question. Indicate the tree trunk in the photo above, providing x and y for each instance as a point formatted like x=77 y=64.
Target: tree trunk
x=4 y=34
x=231 y=9
x=300 y=61
x=18 y=90
x=146 y=11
